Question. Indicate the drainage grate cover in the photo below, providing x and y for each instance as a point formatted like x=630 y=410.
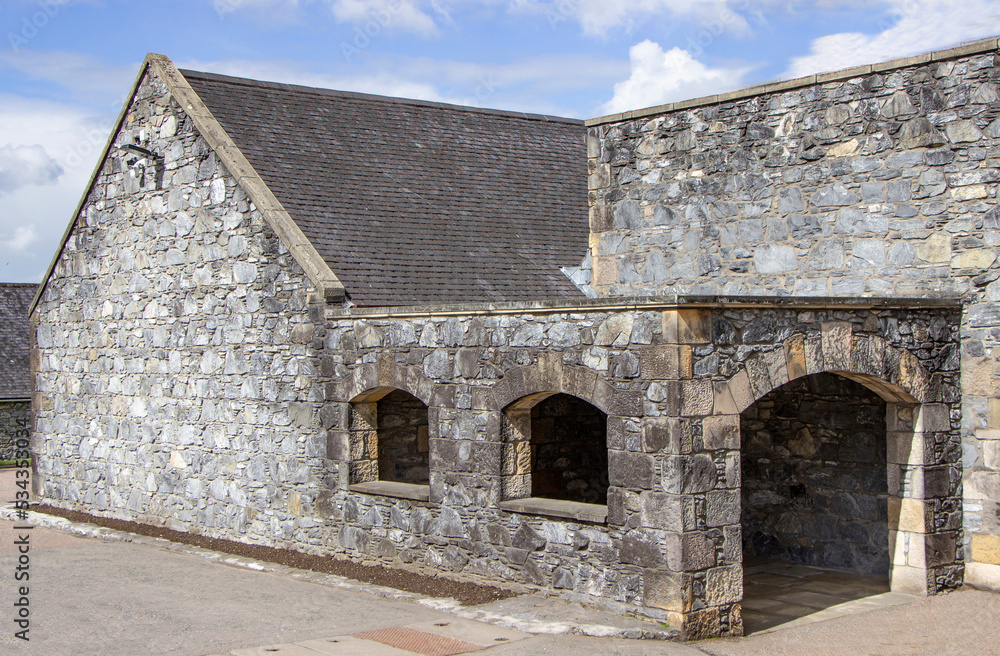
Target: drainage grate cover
x=419 y=642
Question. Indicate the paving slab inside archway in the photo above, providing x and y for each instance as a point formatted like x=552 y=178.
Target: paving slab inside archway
x=776 y=593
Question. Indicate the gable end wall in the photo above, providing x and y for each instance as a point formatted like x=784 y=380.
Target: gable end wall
x=176 y=373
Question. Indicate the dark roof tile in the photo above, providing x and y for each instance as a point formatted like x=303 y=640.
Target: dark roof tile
x=413 y=202
x=15 y=340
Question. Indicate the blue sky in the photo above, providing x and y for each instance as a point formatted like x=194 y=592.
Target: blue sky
x=65 y=65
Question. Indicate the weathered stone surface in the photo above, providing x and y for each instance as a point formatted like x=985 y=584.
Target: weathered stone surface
x=688 y=474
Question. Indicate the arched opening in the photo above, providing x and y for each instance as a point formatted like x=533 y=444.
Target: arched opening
x=556 y=448
x=569 y=450
x=403 y=449
x=389 y=438
x=814 y=498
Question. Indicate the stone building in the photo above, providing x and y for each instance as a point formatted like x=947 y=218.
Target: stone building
x=382 y=329
x=15 y=373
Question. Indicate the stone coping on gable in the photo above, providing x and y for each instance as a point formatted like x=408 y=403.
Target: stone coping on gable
x=630 y=303
x=962 y=50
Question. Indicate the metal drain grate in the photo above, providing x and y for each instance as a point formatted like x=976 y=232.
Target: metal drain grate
x=419 y=642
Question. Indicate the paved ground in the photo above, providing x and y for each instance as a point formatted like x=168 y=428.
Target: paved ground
x=109 y=597
x=776 y=593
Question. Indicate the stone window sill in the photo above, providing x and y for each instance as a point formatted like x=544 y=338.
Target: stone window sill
x=393 y=489
x=583 y=512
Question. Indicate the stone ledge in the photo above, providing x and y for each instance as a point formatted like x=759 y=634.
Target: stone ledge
x=583 y=512
x=645 y=304
x=393 y=489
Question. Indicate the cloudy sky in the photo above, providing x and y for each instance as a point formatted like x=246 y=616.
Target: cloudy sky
x=65 y=65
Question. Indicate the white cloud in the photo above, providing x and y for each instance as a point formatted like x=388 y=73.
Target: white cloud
x=598 y=17
x=85 y=76
x=33 y=218
x=19 y=242
x=376 y=16
x=26 y=165
x=381 y=82
x=917 y=26
x=532 y=84
x=660 y=77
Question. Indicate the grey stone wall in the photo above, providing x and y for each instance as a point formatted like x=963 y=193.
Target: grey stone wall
x=882 y=184
x=815 y=489
x=667 y=381
x=177 y=377
x=15 y=422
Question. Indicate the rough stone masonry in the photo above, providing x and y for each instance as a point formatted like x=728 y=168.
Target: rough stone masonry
x=187 y=374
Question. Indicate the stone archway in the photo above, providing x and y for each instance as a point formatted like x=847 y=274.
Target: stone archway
x=916 y=418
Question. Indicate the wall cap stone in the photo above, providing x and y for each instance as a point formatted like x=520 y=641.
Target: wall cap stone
x=646 y=303
x=962 y=50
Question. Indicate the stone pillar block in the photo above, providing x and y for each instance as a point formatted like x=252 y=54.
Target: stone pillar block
x=722 y=508
x=689 y=552
x=933 y=418
x=912 y=515
x=630 y=470
x=724 y=585
x=665 y=435
x=687 y=326
x=697 y=397
x=908 y=448
x=911 y=580
x=667 y=512
x=338 y=445
x=670 y=591
x=688 y=474
x=665 y=362
x=993 y=416
x=602 y=219
x=721 y=432
x=986 y=548
x=600 y=176
x=605 y=271
x=983 y=576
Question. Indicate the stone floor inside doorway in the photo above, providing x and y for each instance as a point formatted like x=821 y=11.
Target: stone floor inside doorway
x=778 y=593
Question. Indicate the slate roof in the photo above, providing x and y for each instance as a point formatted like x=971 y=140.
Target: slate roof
x=413 y=202
x=15 y=339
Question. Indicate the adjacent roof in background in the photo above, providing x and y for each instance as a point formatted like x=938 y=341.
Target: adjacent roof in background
x=15 y=340
x=413 y=202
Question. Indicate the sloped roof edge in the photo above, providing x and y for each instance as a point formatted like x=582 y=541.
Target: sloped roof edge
x=328 y=286
x=336 y=93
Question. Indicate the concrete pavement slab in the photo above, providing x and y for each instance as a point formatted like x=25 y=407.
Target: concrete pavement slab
x=485 y=635
x=351 y=646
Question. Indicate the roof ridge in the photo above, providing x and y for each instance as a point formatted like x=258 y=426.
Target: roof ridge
x=282 y=86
